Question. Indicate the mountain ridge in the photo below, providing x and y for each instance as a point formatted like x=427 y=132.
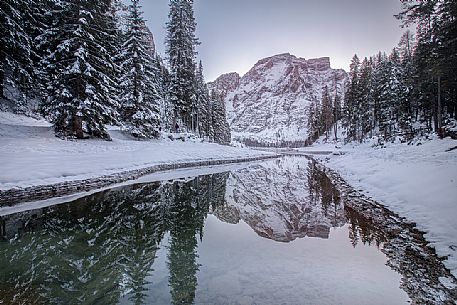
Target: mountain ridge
x=267 y=106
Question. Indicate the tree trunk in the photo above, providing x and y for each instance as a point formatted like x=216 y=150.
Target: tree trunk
x=78 y=127
x=2 y=77
x=174 y=122
x=438 y=116
x=2 y=71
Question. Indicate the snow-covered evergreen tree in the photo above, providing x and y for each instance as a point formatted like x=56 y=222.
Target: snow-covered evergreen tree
x=406 y=49
x=326 y=113
x=220 y=126
x=363 y=107
x=204 y=113
x=80 y=70
x=140 y=108
x=181 y=43
x=43 y=42
x=336 y=107
x=313 y=119
x=163 y=84
x=352 y=99
x=16 y=66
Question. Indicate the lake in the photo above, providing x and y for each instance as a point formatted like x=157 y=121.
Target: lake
x=270 y=232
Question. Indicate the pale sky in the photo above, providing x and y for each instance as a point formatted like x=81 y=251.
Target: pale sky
x=235 y=34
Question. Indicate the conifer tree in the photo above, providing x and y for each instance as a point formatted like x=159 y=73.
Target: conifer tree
x=203 y=117
x=326 y=113
x=221 y=128
x=139 y=97
x=43 y=42
x=435 y=59
x=336 y=107
x=181 y=43
x=163 y=84
x=16 y=66
x=80 y=70
x=363 y=106
x=406 y=50
x=313 y=121
x=352 y=98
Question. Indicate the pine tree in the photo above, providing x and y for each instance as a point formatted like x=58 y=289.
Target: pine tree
x=43 y=42
x=326 y=113
x=406 y=49
x=313 y=115
x=435 y=59
x=181 y=43
x=352 y=99
x=163 y=84
x=336 y=107
x=139 y=97
x=80 y=70
x=16 y=66
x=219 y=123
x=203 y=115
x=363 y=105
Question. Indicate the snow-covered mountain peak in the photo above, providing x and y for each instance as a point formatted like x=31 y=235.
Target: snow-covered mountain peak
x=226 y=83
x=269 y=104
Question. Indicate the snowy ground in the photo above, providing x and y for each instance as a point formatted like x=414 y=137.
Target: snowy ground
x=418 y=182
x=31 y=155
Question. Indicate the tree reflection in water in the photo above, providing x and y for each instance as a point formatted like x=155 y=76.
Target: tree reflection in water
x=101 y=249
x=323 y=191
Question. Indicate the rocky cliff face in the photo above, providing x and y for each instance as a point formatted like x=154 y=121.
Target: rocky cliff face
x=268 y=105
x=226 y=83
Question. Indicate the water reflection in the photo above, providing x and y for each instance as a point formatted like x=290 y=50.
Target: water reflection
x=103 y=246
x=101 y=249
x=285 y=199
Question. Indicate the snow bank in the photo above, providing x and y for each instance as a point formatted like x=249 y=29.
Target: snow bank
x=418 y=182
x=31 y=155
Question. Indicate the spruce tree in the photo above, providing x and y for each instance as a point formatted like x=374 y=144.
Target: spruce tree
x=139 y=97
x=80 y=70
x=407 y=103
x=313 y=122
x=163 y=84
x=352 y=99
x=221 y=128
x=326 y=113
x=336 y=108
x=43 y=42
x=435 y=59
x=363 y=109
x=203 y=116
x=181 y=43
x=16 y=66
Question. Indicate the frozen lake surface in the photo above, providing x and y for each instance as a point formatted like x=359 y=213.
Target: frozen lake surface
x=273 y=232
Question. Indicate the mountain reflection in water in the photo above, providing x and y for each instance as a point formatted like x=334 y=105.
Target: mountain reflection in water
x=101 y=249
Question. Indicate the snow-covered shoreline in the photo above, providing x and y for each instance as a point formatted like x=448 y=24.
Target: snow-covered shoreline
x=31 y=156
x=419 y=182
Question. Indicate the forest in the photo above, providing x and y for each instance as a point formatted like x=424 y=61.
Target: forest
x=410 y=92
x=85 y=64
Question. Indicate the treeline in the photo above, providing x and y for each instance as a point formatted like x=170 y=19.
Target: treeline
x=87 y=63
x=411 y=91
x=323 y=117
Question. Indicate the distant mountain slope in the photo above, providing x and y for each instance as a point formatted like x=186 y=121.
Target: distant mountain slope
x=267 y=106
